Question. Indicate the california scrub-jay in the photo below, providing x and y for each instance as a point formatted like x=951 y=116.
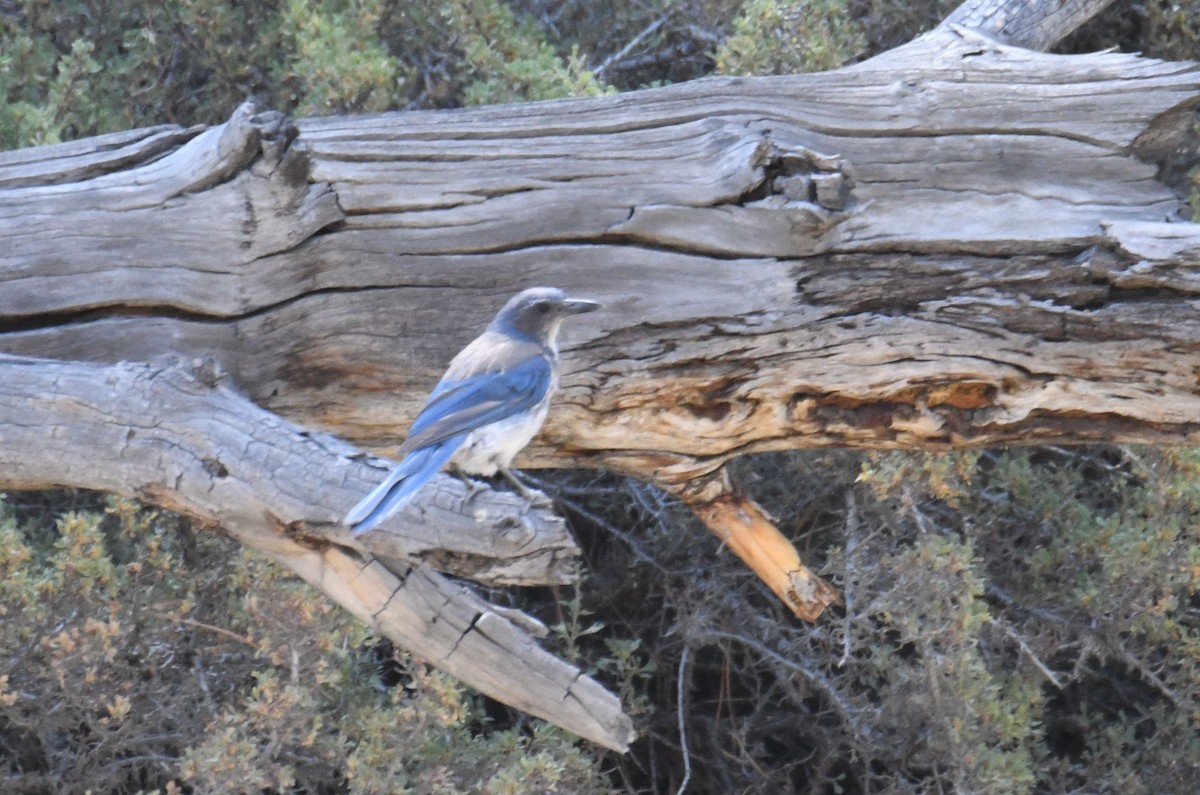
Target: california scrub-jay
x=489 y=404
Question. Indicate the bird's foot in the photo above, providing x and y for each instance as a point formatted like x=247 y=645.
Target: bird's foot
x=533 y=497
x=473 y=486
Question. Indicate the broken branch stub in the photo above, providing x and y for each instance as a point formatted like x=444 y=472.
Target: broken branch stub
x=751 y=535
x=1036 y=24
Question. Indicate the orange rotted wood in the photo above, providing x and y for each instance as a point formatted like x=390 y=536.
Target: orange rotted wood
x=745 y=528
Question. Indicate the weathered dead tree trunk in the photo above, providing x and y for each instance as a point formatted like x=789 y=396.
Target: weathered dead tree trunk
x=955 y=243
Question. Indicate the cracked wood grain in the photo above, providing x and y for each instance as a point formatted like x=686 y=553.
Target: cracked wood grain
x=955 y=243
x=161 y=433
x=961 y=229
x=461 y=634
x=1036 y=24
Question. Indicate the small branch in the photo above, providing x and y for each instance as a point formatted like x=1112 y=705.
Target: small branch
x=647 y=31
x=219 y=630
x=680 y=695
x=852 y=543
x=1148 y=675
x=820 y=682
x=1014 y=636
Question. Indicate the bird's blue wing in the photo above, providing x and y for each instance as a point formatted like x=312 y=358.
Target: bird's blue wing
x=457 y=407
x=454 y=409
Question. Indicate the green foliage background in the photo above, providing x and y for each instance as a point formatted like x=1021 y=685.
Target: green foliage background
x=1021 y=621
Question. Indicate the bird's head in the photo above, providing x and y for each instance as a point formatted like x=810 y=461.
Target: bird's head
x=538 y=312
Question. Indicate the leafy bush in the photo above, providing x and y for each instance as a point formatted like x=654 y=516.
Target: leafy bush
x=83 y=67
x=1015 y=622
x=142 y=654
x=507 y=60
x=789 y=36
x=336 y=63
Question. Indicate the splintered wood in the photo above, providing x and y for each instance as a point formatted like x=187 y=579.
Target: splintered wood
x=744 y=527
x=753 y=537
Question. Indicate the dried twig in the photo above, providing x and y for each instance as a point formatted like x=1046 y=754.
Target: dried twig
x=682 y=691
x=1014 y=636
x=647 y=31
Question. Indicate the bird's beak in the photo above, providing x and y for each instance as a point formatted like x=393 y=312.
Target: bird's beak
x=577 y=306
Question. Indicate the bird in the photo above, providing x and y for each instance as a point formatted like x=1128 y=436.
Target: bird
x=490 y=403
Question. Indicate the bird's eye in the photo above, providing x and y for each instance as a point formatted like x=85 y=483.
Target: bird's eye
x=542 y=306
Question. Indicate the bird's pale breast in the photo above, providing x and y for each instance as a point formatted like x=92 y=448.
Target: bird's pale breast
x=487 y=449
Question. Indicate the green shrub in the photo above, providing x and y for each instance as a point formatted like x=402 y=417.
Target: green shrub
x=774 y=37
x=1015 y=621
x=337 y=62
x=509 y=60
x=77 y=67
x=141 y=654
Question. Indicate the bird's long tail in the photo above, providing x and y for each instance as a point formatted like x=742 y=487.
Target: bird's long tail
x=398 y=489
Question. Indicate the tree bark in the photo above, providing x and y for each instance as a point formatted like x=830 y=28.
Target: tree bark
x=1035 y=24
x=955 y=243
x=178 y=439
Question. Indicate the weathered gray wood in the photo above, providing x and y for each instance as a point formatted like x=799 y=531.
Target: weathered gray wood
x=74 y=161
x=159 y=432
x=955 y=243
x=461 y=634
x=900 y=319
x=129 y=226
x=169 y=436
x=1036 y=24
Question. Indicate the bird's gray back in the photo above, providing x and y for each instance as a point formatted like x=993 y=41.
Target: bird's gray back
x=493 y=352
